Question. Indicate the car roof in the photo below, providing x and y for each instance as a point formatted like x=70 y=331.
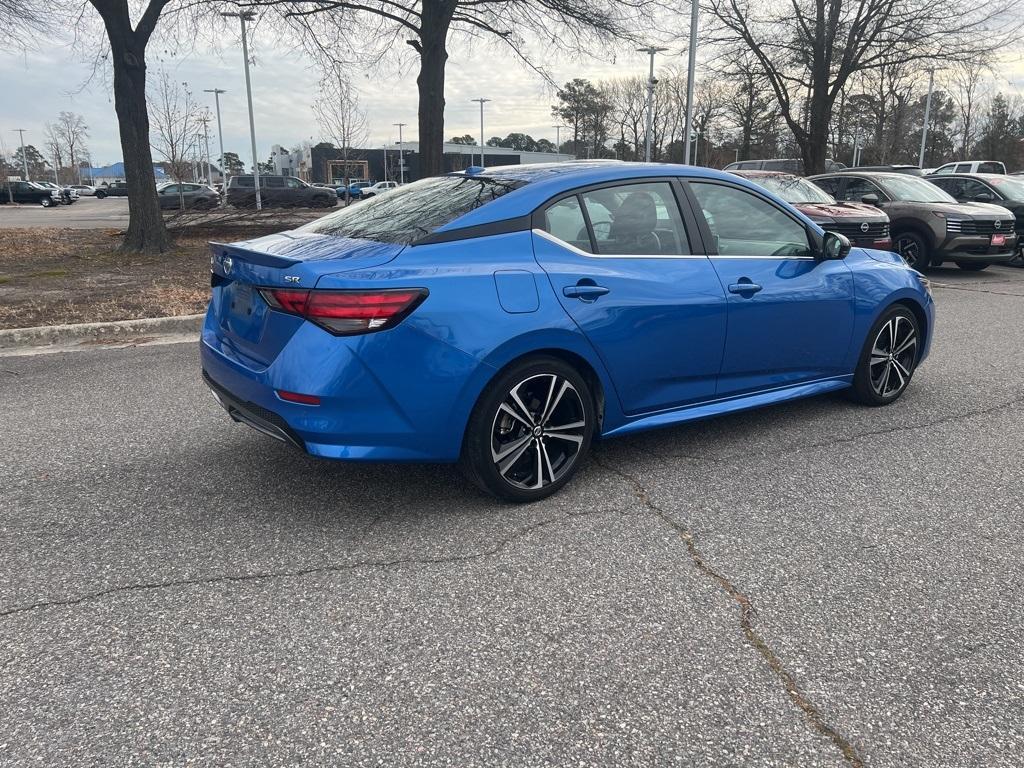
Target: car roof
x=866 y=174
x=751 y=174
x=967 y=175
x=544 y=181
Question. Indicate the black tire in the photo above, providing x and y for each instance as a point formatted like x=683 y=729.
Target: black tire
x=881 y=377
x=100 y=194
x=972 y=266
x=502 y=439
x=914 y=250
x=46 y=202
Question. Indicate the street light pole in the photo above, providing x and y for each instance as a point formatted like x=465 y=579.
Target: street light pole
x=220 y=137
x=482 y=102
x=24 y=159
x=401 y=153
x=243 y=17
x=927 y=115
x=650 y=50
x=558 y=138
x=691 y=72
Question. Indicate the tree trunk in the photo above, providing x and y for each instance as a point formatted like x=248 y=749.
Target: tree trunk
x=436 y=16
x=146 y=231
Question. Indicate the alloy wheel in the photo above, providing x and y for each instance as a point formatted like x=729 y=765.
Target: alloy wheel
x=538 y=431
x=910 y=250
x=893 y=355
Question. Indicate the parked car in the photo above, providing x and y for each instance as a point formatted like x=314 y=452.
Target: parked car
x=116 y=189
x=971 y=166
x=378 y=188
x=176 y=196
x=84 y=190
x=928 y=226
x=787 y=165
x=1005 y=191
x=278 y=192
x=478 y=317
x=864 y=225
x=29 y=192
x=355 y=189
x=67 y=196
x=910 y=170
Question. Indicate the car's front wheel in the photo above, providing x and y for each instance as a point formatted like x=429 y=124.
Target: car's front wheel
x=889 y=357
x=530 y=430
x=46 y=202
x=914 y=250
x=100 y=195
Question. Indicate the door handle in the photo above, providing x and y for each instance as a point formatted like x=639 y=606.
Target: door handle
x=745 y=285
x=584 y=292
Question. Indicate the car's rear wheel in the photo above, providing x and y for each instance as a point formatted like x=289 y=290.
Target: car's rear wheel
x=100 y=194
x=913 y=248
x=530 y=430
x=889 y=357
x=971 y=266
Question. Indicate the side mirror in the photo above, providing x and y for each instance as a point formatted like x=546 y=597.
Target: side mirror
x=871 y=199
x=835 y=246
x=984 y=197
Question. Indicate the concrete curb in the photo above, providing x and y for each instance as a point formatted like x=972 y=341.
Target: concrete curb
x=118 y=332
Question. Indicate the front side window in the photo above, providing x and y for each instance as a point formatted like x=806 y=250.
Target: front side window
x=743 y=224
x=414 y=211
x=636 y=220
x=945 y=169
x=293 y=183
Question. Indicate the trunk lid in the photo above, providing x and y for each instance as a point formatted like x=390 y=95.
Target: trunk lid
x=247 y=328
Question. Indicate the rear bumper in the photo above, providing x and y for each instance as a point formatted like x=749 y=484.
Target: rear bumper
x=255 y=416
x=371 y=409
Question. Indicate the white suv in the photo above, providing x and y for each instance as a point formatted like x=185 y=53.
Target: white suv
x=376 y=189
x=971 y=166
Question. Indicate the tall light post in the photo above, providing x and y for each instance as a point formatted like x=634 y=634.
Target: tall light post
x=220 y=137
x=558 y=138
x=205 y=120
x=401 y=153
x=481 y=102
x=927 y=115
x=243 y=17
x=24 y=159
x=651 y=82
x=691 y=75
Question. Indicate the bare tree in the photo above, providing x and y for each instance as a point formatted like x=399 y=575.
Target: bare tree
x=71 y=132
x=750 y=105
x=328 y=26
x=177 y=126
x=340 y=116
x=23 y=23
x=809 y=49
x=966 y=86
x=55 y=149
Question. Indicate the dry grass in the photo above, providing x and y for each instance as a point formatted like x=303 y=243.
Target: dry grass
x=57 y=276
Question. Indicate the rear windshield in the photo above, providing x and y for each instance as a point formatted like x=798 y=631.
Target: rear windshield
x=414 y=211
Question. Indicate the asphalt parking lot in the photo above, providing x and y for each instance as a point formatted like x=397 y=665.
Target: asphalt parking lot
x=815 y=584
x=112 y=213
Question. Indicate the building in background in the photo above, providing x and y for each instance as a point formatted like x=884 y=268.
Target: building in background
x=325 y=163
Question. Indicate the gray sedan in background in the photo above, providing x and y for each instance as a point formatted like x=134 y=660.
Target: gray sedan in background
x=176 y=196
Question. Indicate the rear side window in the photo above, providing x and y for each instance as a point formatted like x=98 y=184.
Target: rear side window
x=636 y=220
x=565 y=221
x=242 y=181
x=414 y=211
x=991 y=168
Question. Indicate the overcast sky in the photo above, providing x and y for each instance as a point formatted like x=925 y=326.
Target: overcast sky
x=36 y=86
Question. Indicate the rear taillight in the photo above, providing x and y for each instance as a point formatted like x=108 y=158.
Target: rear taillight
x=347 y=312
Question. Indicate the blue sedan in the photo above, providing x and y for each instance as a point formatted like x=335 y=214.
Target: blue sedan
x=506 y=318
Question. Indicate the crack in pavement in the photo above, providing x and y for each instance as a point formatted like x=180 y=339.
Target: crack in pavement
x=496 y=549
x=801 y=447
x=947 y=287
x=747 y=615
